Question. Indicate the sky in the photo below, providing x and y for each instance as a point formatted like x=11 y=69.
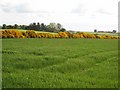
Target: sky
x=76 y=15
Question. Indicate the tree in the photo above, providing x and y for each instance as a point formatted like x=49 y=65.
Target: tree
x=38 y=26
x=4 y=26
x=33 y=26
x=50 y=29
x=53 y=27
x=95 y=30
x=63 y=30
x=22 y=27
x=114 y=31
x=59 y=26
x=9 y=27
x=43 y=27
x=15 y=26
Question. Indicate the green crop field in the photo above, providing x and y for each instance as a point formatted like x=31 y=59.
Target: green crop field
x=59 y=63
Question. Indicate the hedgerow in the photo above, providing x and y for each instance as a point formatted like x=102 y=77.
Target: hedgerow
x=33 y=34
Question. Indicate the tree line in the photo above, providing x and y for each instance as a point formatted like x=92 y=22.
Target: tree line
x=52 y=27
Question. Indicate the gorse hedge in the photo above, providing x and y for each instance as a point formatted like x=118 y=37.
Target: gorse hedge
x=33 y=34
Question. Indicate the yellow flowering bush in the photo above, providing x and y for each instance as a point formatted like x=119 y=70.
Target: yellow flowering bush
x=63 y=35
x=33 y=34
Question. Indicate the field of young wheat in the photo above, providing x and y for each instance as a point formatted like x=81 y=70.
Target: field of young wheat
x=59 y=63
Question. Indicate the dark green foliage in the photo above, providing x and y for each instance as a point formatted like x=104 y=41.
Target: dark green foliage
x=52 y=27
x=63 y=30
x=4 y=26
x=15 y=26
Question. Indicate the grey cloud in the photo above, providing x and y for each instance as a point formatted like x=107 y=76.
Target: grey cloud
x=102 y=11
x=6 y=7
x=20 y=8
x=6 y=10
x=80 y=10
x=23 y=8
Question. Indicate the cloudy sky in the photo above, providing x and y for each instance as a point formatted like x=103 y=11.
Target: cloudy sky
x=78 y=15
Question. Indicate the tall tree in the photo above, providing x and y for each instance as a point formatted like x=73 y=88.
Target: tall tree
x=33 y=26
x=59 y=26
x=15 y=26
x=43 y=27
x=51 y=27
x=38 y=26
x=4 y=26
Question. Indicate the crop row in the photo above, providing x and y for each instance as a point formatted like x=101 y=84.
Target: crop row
x=33 y=34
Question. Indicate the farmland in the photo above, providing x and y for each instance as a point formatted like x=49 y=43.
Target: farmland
x=60 y=63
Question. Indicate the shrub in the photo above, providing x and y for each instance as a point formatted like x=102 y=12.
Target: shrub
x=63 y=35
x=32 y=34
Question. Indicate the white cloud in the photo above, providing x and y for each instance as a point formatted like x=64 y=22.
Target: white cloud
x=72 y=14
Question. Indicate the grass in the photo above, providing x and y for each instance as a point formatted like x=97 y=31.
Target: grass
x=98 y=33
x=60 y=63
x=26 y=30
